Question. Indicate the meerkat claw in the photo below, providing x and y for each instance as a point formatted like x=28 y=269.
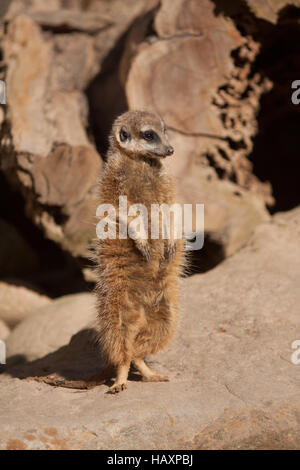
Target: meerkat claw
x=116 y=388
x=145 y=250
x=172 y=249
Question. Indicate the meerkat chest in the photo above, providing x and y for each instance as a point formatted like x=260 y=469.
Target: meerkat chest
x=148 y=189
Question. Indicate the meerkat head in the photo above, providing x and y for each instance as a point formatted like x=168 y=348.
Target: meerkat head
x=141 y=134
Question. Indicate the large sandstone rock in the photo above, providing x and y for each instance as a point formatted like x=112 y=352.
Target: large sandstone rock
x=4 y=6
x=232 y=380
x=269 y=10
x=18 y=302
x=231 y=214
x=47 y=115
x=210 y=99
x=67 y=179
x=206 y=93
x=194 y=62
x=52 y=52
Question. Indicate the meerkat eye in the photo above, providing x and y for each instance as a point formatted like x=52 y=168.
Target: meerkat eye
x=124 y=135
x=149 y=135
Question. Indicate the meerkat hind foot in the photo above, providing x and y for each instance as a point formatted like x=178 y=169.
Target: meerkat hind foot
x=147 y=374
x=121 y=379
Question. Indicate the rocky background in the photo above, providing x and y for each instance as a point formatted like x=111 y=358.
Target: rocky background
x=220 y=74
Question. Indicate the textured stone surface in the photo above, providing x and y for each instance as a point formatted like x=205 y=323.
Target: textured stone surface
x=209 y=98
x=208 y=95
x=29 y=57
x=230 y=213
x=202 y=65
x=66 y=179
x=232 y=381
x=269 y=10
x=4 y=6
x=47 y=114
x=51 y=327
x=52 y=53
x=71 y=20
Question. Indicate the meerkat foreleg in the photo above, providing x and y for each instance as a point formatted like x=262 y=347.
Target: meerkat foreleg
x=140 y=237
x=148 y=375
x=172 y=249
x=170 y=228
x=144 y=247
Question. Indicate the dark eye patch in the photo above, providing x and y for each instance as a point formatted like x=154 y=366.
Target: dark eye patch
x=124 y=135
x=150 y=136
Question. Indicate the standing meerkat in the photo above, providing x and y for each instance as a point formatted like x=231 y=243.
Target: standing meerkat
x=137 y=292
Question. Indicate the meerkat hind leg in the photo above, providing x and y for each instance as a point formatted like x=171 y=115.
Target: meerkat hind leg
x=121 y=379
x=147 y=374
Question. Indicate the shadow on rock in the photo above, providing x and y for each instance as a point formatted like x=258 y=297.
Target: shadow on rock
x=80 y=364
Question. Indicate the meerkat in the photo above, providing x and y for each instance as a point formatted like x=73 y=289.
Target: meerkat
x=137 y=279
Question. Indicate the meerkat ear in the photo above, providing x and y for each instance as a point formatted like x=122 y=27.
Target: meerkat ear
x=124 y=135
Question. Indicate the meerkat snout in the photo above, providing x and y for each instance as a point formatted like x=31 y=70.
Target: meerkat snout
x=170 y=150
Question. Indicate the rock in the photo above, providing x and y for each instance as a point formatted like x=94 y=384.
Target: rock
x=19 y=301
x=52 y=52
x=52 y=111
x=211 y=119
x=209 y=100
x=57 y=54
x=231 y=214
x=51 y=327
x=121 y=16
x=269 y=11
x=4 y=6
x=16 y=256
x=191 y=50
x=4 y=330
x=47 y=111
x=232 y=380
x=105 y=93
x=71 y=20
x=67 y=179
x=27 y=81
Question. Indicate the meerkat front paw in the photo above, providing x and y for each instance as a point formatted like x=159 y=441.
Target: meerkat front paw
x=117 y=387
x=144 y=248
x=172 y=249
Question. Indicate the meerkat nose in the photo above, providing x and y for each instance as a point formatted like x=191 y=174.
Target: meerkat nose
x=170 y=150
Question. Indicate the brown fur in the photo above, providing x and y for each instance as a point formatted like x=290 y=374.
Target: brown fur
x=137 y=296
